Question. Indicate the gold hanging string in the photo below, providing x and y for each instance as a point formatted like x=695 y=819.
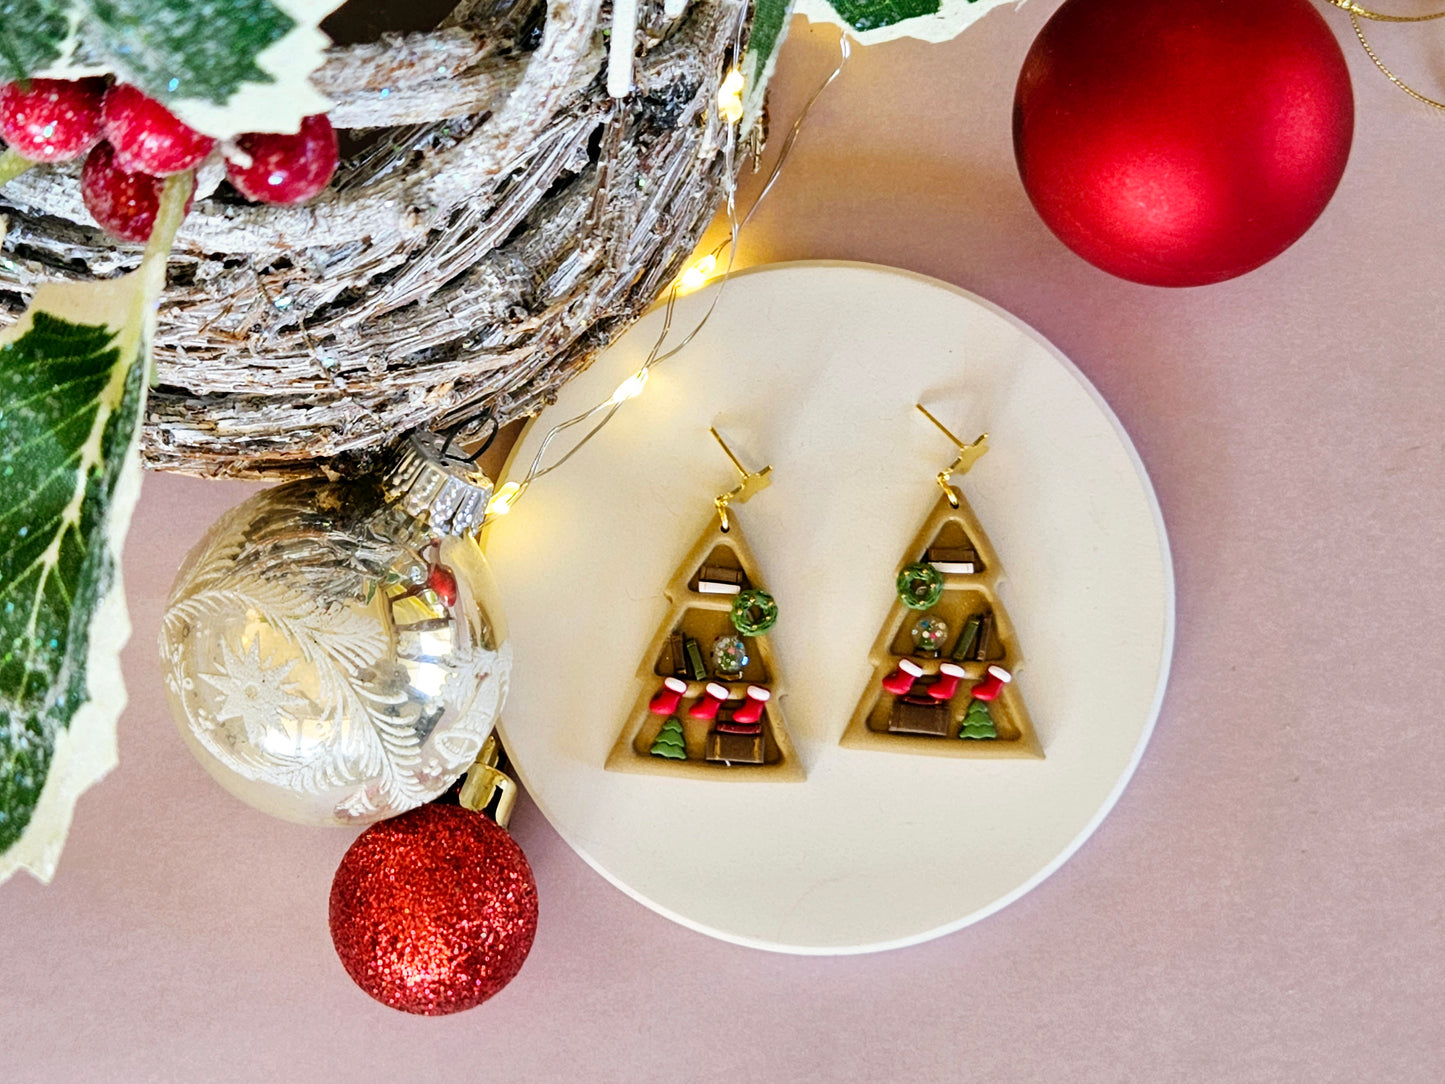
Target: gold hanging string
x=1381 y=17
x=1356 y=13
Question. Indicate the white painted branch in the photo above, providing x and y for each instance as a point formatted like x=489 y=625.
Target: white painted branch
x=621 y=48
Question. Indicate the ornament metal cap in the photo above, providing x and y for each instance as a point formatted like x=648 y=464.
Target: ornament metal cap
x=439 y=485
x=486 y=782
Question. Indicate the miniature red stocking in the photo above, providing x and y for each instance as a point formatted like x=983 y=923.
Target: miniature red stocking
x=949 y=675
x=992 y=685
x=667 y=698
x=901 y=680
x=752 y=711
x=706 y=708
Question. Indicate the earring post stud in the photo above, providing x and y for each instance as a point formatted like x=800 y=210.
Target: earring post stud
x=968 y=455
x=753 y=482
x=727 y=451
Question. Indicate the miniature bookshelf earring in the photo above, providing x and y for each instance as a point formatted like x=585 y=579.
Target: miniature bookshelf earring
x=707 y=704
x=944 y=660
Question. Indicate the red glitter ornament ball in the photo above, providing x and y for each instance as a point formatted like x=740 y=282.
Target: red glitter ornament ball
x=1182 y=142
x=434 y=911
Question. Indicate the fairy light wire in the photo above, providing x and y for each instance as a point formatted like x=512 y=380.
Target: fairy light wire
x=510 y=493
x=613 y=403
x=845 y=49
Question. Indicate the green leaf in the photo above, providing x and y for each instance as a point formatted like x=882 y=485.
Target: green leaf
x=873 y=21
x=72 y=389
x=770 y=24
x=224 y=66
x=769 y=19
x=871 y=14
x=185 y=49
x=33 y=35
x=869 y=21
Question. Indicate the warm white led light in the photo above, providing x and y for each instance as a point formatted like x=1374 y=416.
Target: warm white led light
x=630 y=388
x=730 y=97
x=695 y=277
x=503 y=499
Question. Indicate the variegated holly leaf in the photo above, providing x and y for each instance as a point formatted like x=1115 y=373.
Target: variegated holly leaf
x=770 y=27
x=224 y=66
x=34 y=34
x=73 y=380
x=874 y=21
x=868 y=21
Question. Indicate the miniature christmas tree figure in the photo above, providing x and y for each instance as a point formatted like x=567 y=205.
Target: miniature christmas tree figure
x=977 y=721
x=669 y=741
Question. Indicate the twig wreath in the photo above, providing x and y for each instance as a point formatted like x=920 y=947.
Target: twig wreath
x=507 y=221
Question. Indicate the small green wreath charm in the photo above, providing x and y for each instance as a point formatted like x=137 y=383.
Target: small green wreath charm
x=754 y=612
x=920 y=586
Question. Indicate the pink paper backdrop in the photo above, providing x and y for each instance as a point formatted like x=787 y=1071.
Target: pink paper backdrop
x=1264 y=904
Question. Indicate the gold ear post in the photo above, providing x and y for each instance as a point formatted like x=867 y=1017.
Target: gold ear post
x=752 y=483
x=968 y=455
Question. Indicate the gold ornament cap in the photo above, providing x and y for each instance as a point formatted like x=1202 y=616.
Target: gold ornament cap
x=438 y=485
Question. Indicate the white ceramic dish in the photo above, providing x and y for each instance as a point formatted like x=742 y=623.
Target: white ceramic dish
x=814 y=368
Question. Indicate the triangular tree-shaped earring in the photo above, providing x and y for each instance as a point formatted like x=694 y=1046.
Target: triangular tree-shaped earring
x=708 y=695
x=944 y=660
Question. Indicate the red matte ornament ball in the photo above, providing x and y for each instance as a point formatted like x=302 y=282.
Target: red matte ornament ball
x=434 y=911
x=1182 y=142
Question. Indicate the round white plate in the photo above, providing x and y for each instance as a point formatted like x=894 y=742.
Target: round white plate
x=815 y=368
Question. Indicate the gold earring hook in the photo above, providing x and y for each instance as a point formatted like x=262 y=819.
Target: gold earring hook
x=968 y=455
x=752 y=483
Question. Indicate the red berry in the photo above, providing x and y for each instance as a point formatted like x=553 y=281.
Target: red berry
x=51 y=120
x=286 y=168
x=123 y=201
x=444 y=582
x=147 y=136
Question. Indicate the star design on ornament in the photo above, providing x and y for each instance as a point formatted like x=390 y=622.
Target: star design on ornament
x=252 y=692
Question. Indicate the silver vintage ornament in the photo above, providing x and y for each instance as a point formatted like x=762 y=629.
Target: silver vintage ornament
x=333 y=651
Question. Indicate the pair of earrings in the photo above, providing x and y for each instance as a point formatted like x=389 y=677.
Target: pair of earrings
x=943 y=662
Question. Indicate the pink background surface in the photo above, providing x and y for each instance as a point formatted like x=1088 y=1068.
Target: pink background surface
x=1267 y=901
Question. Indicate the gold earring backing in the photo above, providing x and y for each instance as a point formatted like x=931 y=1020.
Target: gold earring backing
x=968 y=455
